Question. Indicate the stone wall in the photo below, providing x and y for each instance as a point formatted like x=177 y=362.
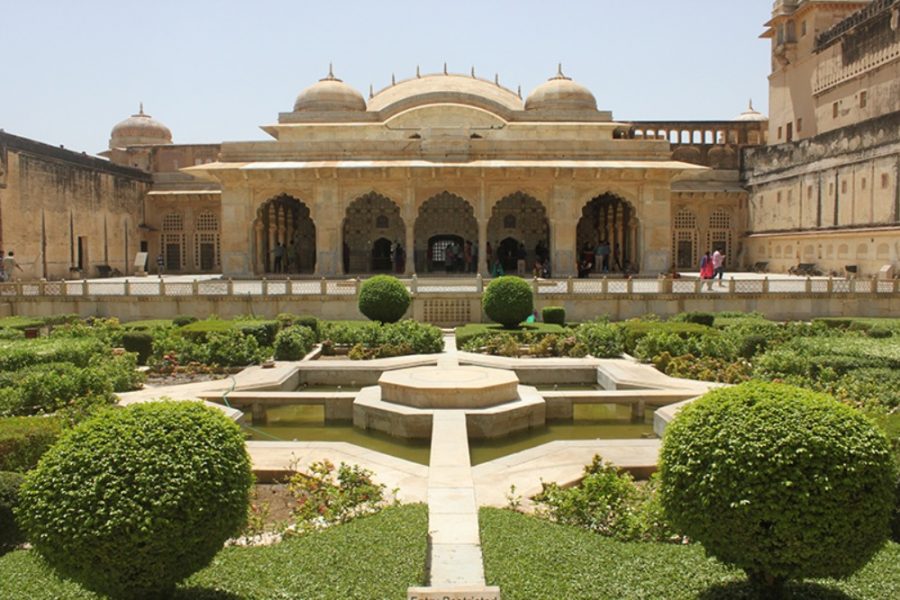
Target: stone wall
x=832 y=199
x=61 y=210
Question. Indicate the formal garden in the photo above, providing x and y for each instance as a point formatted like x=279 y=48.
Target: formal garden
x=786 y=484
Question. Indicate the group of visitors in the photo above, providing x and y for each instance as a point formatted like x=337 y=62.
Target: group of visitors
x=8 y=266
x=461 y=259
x=712 y=267
x=603 y=255
x=286 y=259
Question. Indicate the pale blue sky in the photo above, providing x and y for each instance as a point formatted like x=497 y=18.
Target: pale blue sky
x=216 y=70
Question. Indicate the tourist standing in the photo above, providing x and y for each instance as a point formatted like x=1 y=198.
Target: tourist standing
x=160 y=264
x=278 y=252
x=521 y=259
x=2 y=270
x=706 y=270
x=9 y=264
x=490 y=256
x=718 y=261
x=467 y=257
x=603 y=252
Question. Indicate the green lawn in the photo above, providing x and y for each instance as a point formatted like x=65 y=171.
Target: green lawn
x=532 y=559
x=371 y=558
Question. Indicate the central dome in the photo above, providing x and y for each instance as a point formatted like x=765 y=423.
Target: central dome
x=561 y=93
x=445 y=88
x=329 y=94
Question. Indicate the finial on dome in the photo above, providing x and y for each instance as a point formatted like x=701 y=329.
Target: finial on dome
x=141 y=111
x=330 y=76
x=371 y=91
x=445 y=67
x=393 y=79
x=519 y=91
x=473 y=71
x=559 y=72
x=496 y=78
x=418 y=73
x=751 y=104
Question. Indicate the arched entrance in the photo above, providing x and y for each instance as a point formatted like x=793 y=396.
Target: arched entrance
x=608 y=221
x=381 y=256
x=443 y=219
x=521 y=219
x=368 y=220
x=285 y=237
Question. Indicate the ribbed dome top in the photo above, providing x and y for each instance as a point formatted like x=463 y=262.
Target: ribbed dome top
x=561 y=93
x=329 y=94
x=445 y=87
x=751 y=115
x=139 y=129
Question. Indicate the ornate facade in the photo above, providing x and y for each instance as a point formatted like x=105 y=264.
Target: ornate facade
x=453 y=170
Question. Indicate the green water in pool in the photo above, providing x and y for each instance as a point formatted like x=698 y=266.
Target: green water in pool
x=592 y=421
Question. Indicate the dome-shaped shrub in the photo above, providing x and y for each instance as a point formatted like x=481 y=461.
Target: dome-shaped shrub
x=508 y=300
x=779 y=481
x=383 y=298
x=131 y=502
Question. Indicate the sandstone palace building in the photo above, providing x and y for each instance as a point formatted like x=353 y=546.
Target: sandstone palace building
x=443 y=160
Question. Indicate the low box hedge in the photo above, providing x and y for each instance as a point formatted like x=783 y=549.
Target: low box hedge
x=23 y=440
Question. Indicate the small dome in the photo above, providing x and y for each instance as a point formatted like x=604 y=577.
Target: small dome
x=139 y=130
x=329 y=94
x=751 y=114
x=561 y=93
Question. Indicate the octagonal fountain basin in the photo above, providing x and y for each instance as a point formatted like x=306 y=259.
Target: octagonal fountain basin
x=449 y=387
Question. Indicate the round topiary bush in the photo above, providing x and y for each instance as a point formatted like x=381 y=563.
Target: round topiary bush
x=139 y=342
x=294 y=342
x=780 y=481
x=131 y=502
x=10 y=535
x=508 y=300
x=554 y=314
x=383 y=298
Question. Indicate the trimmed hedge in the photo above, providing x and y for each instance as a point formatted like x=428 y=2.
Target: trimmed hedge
x=15 y=355
x=603 y=340
x=633 y=331
x=134 y=500
x=554 y=314
x=769 y=478
x=23 y=440
x=700 y=318
x=263 y=331
x=288 y=319
x=140 y=342
x=508 y=300
x=10 y=535
x=383 y=298
x=466 y=333
x=182 y=320
x=294 y=342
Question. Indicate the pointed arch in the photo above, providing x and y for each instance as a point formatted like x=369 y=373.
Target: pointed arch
x=368 y=219
x=442 y=219
x=609 y=221
x=285 y=240
x=519 y=219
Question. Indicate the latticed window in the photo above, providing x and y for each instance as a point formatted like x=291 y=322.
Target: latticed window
x=720 y=234
x=684 y=239
x=206 y=241
x=381 y=222
x=173 y=222
x=207 y=221
x=509 y=222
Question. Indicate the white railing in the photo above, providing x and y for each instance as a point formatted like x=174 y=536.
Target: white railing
x=575 y=288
